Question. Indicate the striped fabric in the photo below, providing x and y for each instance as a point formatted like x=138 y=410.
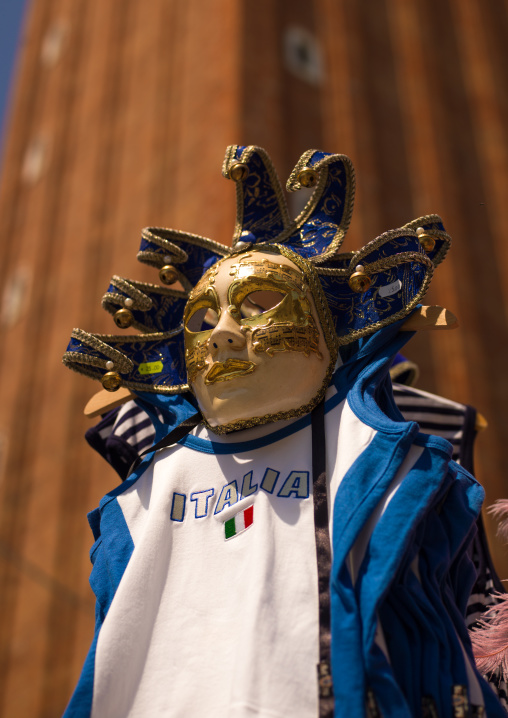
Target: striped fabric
x=436 y=415
x=121 y=436
x=128 y=430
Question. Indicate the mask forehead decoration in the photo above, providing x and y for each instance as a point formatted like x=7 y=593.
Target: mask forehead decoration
x=326 y=298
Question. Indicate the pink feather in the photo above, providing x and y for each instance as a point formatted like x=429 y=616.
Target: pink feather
x=490 y=640
x=499 y=511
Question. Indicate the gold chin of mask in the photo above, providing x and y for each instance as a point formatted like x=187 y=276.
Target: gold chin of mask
x=255 y=348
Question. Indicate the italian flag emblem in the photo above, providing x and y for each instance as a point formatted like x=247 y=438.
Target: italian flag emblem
x=239 y=522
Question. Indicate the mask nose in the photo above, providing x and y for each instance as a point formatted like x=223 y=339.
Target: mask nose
x=227 y=334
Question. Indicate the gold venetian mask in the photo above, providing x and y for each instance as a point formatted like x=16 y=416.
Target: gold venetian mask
x=255 y=349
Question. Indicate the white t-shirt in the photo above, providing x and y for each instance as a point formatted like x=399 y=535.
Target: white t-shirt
x=216 y=614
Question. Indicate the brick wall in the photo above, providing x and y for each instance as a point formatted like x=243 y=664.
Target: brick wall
x=120 y=118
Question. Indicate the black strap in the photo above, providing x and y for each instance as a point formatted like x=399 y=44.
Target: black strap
x=324 y=560
x=172 y=438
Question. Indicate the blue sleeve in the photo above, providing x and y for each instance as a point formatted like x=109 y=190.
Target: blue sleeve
x=110 y=555
x=414 y=580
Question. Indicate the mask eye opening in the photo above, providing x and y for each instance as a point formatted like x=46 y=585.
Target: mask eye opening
x=202 y=320
x=260 y=301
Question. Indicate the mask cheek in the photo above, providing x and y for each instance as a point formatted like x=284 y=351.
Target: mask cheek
x=289 y=327
x=196 y=352
x=287 y=336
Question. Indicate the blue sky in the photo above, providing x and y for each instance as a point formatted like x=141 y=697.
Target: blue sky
x=11 y=14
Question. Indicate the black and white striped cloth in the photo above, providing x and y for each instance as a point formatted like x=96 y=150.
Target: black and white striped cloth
x=124 y=433
x=443 y=417
x=121 y=435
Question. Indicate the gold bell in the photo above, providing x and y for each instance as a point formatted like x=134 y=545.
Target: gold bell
x=239 y=171
x=168 y=274
x=359 y=281
x=308 y=177
x=111 y=381
x=427 y=241
x=123 y=318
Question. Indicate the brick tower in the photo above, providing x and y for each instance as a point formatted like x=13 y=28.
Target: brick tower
x=120 y=118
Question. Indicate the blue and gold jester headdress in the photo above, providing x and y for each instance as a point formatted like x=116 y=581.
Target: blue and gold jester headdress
x=365 y=290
